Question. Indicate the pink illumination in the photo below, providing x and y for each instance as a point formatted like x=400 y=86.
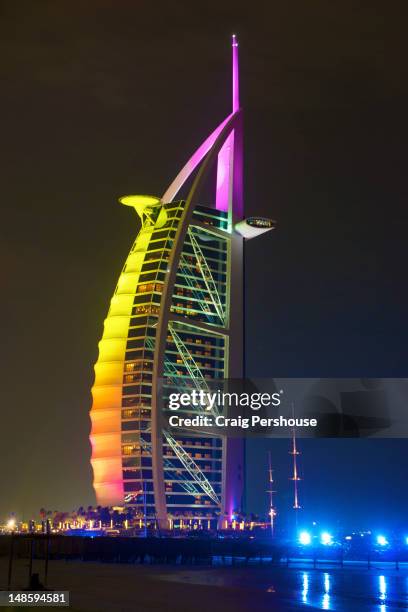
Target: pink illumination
x=193 y=162
x=225 y=165
x=235 y=75
x=229 y=165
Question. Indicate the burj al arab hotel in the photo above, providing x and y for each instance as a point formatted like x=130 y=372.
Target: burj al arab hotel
x=176 y=315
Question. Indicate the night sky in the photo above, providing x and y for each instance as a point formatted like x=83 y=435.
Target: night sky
x=101 y=99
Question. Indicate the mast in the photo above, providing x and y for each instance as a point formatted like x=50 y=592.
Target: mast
x=235 y=75
x=272 y=511
x=295 y=477
x=229 y=168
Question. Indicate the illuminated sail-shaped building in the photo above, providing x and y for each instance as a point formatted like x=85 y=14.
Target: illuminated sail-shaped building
x=176 y=315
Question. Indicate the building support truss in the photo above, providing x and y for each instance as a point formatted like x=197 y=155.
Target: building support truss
x=192 y=468
x=200 y=296
x=186 y=484
x=207 y=276
x=192 y=368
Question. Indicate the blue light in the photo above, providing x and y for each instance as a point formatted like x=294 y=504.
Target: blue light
x=382 y=540
x=305 y=587
x=305 y=538
x=382 y=587
x=326 y=538
x=326 y=596
x=326 y=602
x=406 y=540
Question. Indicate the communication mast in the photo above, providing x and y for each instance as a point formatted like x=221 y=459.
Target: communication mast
x=272 y=510
x=295 y=477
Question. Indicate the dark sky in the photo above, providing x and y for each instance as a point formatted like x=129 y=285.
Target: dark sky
x=105 y=98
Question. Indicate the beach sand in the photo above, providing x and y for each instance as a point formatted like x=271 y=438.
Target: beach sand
x=123 y=588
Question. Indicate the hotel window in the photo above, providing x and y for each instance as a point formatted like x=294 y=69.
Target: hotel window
x=130 y=425
x=129 y=449
x=129 y=414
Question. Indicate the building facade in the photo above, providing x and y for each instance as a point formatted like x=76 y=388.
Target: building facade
x=175 y=319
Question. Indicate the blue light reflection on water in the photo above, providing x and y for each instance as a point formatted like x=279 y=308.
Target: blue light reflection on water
x=326 y=596
x=355 y=590
x=325 y=603
x=305 y=590
x=349 y=589
x=382 y=587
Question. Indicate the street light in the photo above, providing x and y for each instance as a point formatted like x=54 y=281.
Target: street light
x=326 y=538
x=305 y=538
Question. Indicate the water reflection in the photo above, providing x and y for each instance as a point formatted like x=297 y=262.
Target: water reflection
x=321 y=589
x=305 y=590
x=349 y=589
x=382 y=587
x=326 y=596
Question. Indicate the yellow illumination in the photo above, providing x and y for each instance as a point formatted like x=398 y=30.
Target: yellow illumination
x=134 y=262
x=107 y=389
x=121 y=305
x=127 y=282
x=116 y=327
x=112 y=349
x=108 y=373
x=107 y=397
x=139 y=202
